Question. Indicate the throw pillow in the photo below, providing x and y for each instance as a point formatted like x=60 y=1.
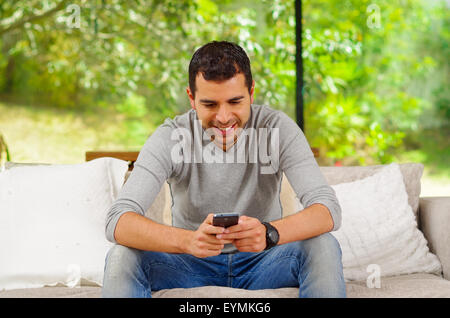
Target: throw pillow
x=411 y=173
x=379 y=230
x=52 y=222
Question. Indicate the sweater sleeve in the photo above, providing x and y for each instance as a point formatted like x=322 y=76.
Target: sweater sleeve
x=151 y=169
x=302 y=171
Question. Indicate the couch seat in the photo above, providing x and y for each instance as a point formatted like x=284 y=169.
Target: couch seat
x=405 y=286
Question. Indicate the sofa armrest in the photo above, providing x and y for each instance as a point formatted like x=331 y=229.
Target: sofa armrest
x=434 y=222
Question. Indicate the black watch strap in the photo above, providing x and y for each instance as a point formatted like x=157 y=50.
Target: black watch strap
x=272 y=235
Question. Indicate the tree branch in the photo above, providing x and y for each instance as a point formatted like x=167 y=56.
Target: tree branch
x=33 y=18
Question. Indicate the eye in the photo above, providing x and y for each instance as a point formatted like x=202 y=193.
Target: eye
x=235 y=102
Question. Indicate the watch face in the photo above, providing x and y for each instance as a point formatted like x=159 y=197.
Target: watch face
x=273 y=235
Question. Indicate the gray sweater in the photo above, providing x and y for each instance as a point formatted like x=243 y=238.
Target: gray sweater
x=204 y=179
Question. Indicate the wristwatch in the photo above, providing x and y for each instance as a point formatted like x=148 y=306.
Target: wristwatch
x=272 y=235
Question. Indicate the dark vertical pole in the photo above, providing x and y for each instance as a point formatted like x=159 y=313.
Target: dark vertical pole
x=299 y=63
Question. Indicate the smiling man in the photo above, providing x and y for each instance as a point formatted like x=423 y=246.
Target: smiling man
x=264 y=250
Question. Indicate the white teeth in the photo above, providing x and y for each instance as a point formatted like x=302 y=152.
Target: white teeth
x=226 y=129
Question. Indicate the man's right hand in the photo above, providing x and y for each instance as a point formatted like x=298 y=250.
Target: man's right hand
x=203 y=242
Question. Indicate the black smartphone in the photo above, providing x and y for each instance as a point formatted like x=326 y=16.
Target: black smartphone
x=225 y=219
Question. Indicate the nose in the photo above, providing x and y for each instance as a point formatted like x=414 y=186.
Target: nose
x=223 y=116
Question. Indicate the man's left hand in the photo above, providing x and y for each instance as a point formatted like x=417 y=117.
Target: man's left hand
x=249 y=235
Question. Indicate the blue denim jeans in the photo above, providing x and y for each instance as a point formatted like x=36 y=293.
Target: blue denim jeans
x=313 y=265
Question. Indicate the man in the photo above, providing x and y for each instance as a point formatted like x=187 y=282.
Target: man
x=263 y=250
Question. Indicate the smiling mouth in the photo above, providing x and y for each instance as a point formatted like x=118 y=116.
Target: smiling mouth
x=225 y=131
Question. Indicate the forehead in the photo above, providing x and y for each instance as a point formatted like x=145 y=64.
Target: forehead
x=220 y=89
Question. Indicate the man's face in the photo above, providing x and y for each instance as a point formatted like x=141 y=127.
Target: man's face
x=223 y=107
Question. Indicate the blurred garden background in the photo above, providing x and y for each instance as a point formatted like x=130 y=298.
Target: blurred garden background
x=77 y=76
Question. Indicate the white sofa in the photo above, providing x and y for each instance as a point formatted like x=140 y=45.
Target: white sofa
x=431 y=213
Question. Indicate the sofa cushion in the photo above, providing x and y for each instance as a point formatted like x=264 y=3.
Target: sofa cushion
x=52 y=222
x=379 y=232
x=404 y=286
x=420 y=285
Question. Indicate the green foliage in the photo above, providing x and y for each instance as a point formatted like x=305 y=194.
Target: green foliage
x=367 y=76
x=373 y=71
x=132 y=112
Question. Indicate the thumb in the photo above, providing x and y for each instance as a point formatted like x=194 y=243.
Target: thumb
x=243 y=218
x=209 y=219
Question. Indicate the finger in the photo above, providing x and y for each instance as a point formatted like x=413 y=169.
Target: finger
x=245 y=223
x=236 y=235
x=234 y=228
x=211 y=229
x=212 y=239
x=210 y=253
x=248 y=246
x=219 y=240
x=241 y=226
x=207 y=252
x=206 y=245
x=209 y=218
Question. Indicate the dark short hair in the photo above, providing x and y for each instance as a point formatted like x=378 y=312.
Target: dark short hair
x=219 y=61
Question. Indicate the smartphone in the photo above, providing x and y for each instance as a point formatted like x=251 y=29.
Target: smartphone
x=225 y=219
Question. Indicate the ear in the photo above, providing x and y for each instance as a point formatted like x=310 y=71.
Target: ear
x=191 y=97
x=252 y=91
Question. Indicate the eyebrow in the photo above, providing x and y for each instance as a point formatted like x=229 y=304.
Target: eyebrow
x=213 y=101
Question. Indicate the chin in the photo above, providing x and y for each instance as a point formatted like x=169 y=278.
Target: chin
x=224 y=144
